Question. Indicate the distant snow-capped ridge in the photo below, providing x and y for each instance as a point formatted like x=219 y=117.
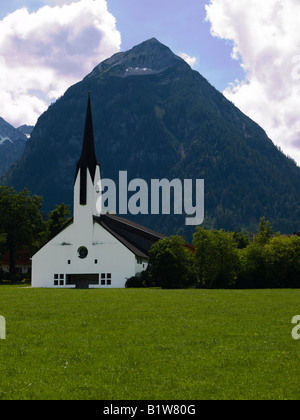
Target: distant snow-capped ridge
x=10 y=134
x=26 y=129
x=150 y=57
x=4 y=139
x=12 y=143
x=137 y=71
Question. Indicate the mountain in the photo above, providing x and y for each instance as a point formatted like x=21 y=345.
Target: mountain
x=26 y=129
x=12 y=145
x=157 y=118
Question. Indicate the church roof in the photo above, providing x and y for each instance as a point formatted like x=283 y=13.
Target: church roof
x=138 y=239
x=88 y=159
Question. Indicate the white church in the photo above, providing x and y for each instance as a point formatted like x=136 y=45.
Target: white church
x=93 y=250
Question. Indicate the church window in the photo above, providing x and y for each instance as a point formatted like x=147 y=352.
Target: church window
x=106 y=279
x=103 y=279
x=96 y=261
x=82 y=252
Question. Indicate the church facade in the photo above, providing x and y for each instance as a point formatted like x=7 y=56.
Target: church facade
x=93 y=250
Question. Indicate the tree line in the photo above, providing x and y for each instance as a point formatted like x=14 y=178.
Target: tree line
x=24 y=226
x=224 y=260
x=217 y=259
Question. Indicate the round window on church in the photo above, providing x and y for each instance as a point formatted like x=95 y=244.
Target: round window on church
x=82 y=252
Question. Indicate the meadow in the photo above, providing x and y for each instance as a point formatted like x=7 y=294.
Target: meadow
x=149 y=344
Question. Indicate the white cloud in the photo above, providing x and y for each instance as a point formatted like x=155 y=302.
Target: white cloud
x=192 y=61
x=266 y=39
x=44 y=52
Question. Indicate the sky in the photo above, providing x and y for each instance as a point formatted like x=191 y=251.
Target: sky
x=248 y=50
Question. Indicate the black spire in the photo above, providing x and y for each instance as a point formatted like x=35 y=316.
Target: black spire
x=88 y=159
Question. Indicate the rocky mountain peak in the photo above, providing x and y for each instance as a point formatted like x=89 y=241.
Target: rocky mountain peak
x=12 y=145
x=171 y=126
x=9 y=134
x=149 y=57
x=26 y=129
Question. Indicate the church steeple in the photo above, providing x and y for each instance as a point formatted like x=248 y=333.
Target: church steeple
x=88 y=157
x=88 y=160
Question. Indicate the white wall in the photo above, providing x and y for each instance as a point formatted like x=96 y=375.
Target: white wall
x=141 y=265
x=113 y=257
x=60 y=256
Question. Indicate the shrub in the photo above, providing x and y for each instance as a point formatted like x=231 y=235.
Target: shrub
x=134 y=282
x=171 y=264
x=216 y=260
x=283 y=262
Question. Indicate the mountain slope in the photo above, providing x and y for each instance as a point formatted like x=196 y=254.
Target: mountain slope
x=26 y=129
x=157 y=118
x=12 y=145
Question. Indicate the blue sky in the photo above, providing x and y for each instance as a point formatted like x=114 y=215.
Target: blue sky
x=179 y=24
x=250 y=51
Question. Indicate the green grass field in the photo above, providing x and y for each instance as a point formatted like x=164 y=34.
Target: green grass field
x=149 y=344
